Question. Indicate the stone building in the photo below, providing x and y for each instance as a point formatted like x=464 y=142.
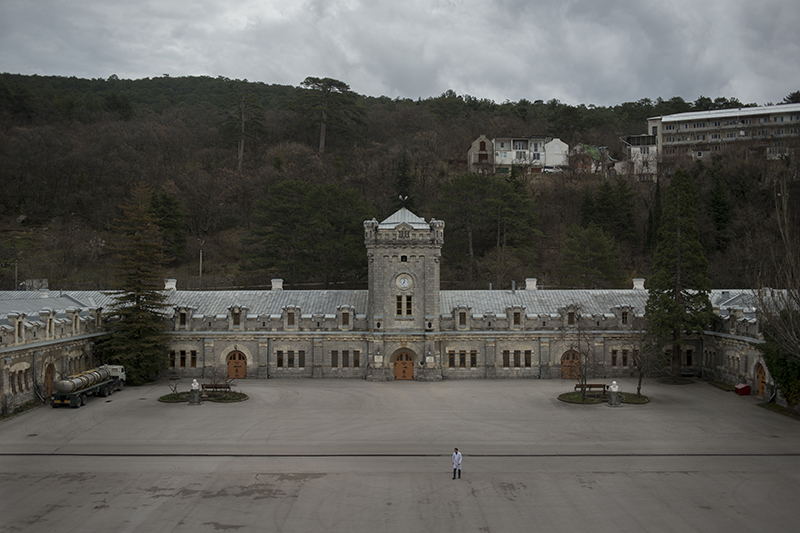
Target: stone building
x=402 y=327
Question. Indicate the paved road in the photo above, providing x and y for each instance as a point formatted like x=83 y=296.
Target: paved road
x=354 y=456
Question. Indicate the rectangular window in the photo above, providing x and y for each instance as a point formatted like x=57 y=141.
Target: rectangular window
x=519 y=145
x=624 y=317
x=571 y=319
x=183 y=319
x=473 y=359
x=290 y=319
x=528 y=358
x=613 y=358
x=462 y=318
x=462 y=359
x=345 y=319
x=517 y=318
x=345 y=358
x=399 y=306
x=279 y=358
x=236 y=319
x=520 y=156
x=172 y=359
x=301 y=359
x=334 y=359
x=624 y=357
x=290 y=359
x=356 y=358
x=183 y=358
x=193 y=358
x=506 y=358
x=689 y=361
x=451 y=359
x=516 y=358
x=409 y=308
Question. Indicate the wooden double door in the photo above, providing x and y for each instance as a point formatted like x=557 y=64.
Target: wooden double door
x=404 y=366
x=237 y=365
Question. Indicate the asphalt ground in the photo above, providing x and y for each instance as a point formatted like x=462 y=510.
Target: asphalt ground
x=355 y=456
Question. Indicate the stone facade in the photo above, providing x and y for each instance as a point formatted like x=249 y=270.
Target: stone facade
x=402 y=327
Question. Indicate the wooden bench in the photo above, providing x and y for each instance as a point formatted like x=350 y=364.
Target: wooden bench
x=216 y=386
x=602 y=387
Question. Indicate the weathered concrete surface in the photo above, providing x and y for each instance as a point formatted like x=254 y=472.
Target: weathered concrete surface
x=355 y=456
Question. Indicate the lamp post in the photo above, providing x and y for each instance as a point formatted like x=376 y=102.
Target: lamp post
x=201 y=263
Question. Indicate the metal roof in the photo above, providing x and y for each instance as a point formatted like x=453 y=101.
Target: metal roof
x=401 y=216
x=736 y=112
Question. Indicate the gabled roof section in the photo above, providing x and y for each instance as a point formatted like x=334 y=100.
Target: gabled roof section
x=401 y=216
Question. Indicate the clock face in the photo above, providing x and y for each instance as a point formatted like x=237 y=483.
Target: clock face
x=403 y=281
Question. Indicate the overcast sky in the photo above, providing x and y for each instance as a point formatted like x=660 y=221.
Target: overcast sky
x=600 y=52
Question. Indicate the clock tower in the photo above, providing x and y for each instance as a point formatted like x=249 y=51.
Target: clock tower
x=403 y=253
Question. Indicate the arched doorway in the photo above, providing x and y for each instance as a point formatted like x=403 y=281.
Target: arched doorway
x=761 y=380
x=404 y=366
x=49 y=373
x=570 y=365
x=237 y=365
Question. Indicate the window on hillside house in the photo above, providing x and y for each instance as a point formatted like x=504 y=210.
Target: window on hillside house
x=483 y=146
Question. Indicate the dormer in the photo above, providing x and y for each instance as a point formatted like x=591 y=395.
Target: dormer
x=74 y=316
x=48 y=319
x=291 y=317
x=345 y=316
x=516 y=317
x=570 y=315
x=183 y=316
x=461 y=314
x=236 y=317
x=17 y=321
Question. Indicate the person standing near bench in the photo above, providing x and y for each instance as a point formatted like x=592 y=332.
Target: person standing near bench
x=456 y=463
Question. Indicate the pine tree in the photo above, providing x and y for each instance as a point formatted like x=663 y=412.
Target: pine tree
x=678 y=302
x=136 y=327
x=590 y=259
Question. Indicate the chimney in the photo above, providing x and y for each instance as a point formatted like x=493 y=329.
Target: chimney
x=170 y=284
x=530 y=284
x=638 y=284
x=277 y=284
x=44 y=293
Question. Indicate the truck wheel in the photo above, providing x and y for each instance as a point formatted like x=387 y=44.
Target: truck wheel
x=83 y=399
x=75 y=402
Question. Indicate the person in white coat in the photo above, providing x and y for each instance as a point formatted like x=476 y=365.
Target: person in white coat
x=456 y=463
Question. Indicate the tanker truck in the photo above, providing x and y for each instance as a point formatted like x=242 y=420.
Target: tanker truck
x=74 y=390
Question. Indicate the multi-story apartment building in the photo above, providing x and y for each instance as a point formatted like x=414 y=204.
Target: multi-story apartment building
x=530 y=154
x=768 y=131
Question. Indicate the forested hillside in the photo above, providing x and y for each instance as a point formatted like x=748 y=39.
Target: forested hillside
x=241 y=170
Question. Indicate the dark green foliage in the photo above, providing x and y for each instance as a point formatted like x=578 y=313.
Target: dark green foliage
x=784 y=369
x=489 y=217
x=719 y=206
x=654 y=219
x=792 y=98
x=305 y=233
x=611 y=208
x=136 y=327
x=332 y=106
x=167 y=212
x=590 y=259
x=678 y=302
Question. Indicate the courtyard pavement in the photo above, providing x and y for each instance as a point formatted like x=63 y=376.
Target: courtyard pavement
x=355 y=456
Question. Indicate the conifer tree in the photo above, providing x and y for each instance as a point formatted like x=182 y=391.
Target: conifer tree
x=137 y=335
x=678 y=302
